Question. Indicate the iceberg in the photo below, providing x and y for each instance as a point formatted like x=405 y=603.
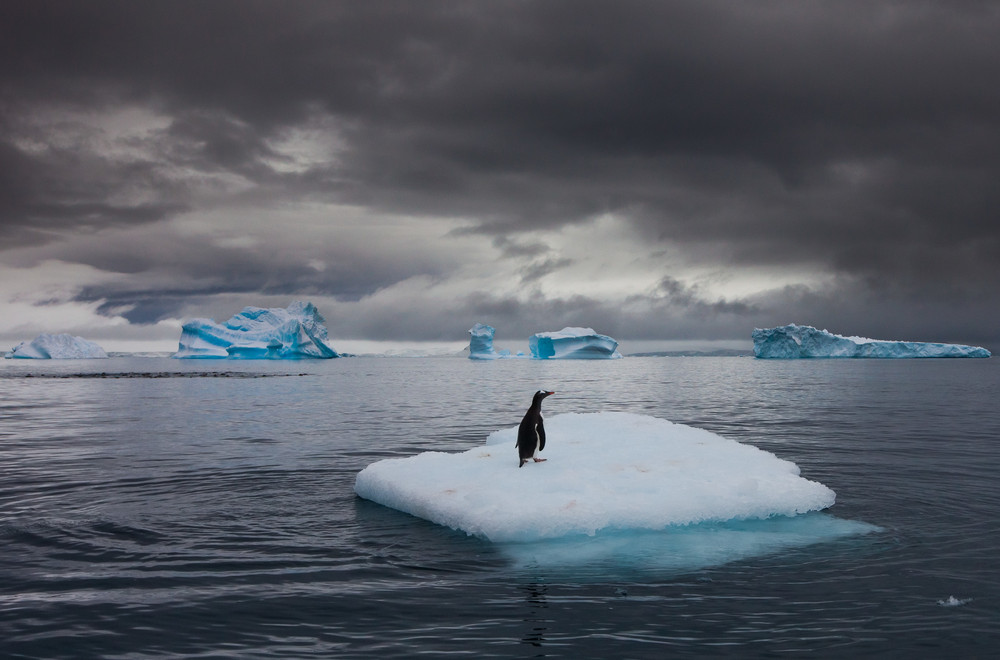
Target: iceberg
x=57 y=347
x=804 y=341
x=481 y=343
x=654 y=475
x=573 y=343
x=257 y=333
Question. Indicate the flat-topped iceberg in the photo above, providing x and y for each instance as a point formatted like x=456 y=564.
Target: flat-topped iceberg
x=804 y=341
x=573 y=343
x=605 y=472
x=481 y=343
x=257 y=333
x=57 y=347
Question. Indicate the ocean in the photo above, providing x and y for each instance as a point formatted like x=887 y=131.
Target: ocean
x=158 y=508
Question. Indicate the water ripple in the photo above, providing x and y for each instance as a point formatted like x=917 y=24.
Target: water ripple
x=209 y=515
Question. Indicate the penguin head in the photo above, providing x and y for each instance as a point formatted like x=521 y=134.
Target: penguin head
x=539 y=395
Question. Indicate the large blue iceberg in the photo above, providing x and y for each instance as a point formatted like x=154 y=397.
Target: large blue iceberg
x=57 y=347
x=257 y=333
x=804 y=341
x=573 y=343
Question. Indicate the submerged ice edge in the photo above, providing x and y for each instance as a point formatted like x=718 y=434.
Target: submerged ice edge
x=681 y=548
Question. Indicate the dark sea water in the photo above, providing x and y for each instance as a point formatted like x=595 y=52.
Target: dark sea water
x=155 y=508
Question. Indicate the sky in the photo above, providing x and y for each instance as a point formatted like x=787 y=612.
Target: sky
x=663 y=172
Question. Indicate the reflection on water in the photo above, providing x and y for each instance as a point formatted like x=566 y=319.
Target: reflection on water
x=536 y=620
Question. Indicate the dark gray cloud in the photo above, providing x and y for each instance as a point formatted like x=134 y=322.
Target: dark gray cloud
x=164 y=275
x=539 y=269
x=511 y=248
x=66 y=188
x=857 y=139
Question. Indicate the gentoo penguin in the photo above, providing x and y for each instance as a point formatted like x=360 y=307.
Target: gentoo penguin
x=531 y=433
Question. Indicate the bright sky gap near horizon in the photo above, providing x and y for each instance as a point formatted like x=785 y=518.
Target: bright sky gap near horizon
x=661 y=172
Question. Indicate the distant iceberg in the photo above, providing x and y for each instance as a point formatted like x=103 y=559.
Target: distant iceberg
x=573 y=343
x=804 y=341
x=568 y=344
x=257 y=333
x=481 y=343
x=57 y=347
x=665 y=475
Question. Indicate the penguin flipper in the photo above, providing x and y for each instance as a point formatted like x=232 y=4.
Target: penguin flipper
x=541 y=435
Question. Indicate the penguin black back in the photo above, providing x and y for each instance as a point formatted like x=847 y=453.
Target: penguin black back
x=531 y=432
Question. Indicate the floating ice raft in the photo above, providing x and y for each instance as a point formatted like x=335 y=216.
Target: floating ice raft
x=605 y=472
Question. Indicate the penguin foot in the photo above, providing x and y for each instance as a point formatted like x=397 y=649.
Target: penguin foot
x=539 y=460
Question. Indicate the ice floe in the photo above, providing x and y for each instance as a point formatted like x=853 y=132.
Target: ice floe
x=605 y=472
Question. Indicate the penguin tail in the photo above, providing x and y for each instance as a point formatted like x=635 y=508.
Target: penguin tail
x=523 y=461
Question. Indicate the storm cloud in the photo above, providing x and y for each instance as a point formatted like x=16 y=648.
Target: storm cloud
x=655 y=170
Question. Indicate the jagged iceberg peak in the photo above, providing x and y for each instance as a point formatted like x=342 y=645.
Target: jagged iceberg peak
x=573 y=343
x=804 y=341
x=258 y=333
x=57 y=347
x=481 y=342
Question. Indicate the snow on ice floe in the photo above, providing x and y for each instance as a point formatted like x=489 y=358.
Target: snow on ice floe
x=57 y=347
x=605 y=472
x=257 y=333
x=804 y=341
x=573 y=343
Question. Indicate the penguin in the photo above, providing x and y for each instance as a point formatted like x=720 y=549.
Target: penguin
x=531 y=433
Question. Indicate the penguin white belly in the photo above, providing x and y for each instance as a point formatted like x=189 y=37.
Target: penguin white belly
x=538 y=438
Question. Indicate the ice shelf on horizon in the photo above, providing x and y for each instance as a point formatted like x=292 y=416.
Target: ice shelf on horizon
x=566 y=344
x=804 y=341
x=57 y=347
x=257 y=333
x=651 y=475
